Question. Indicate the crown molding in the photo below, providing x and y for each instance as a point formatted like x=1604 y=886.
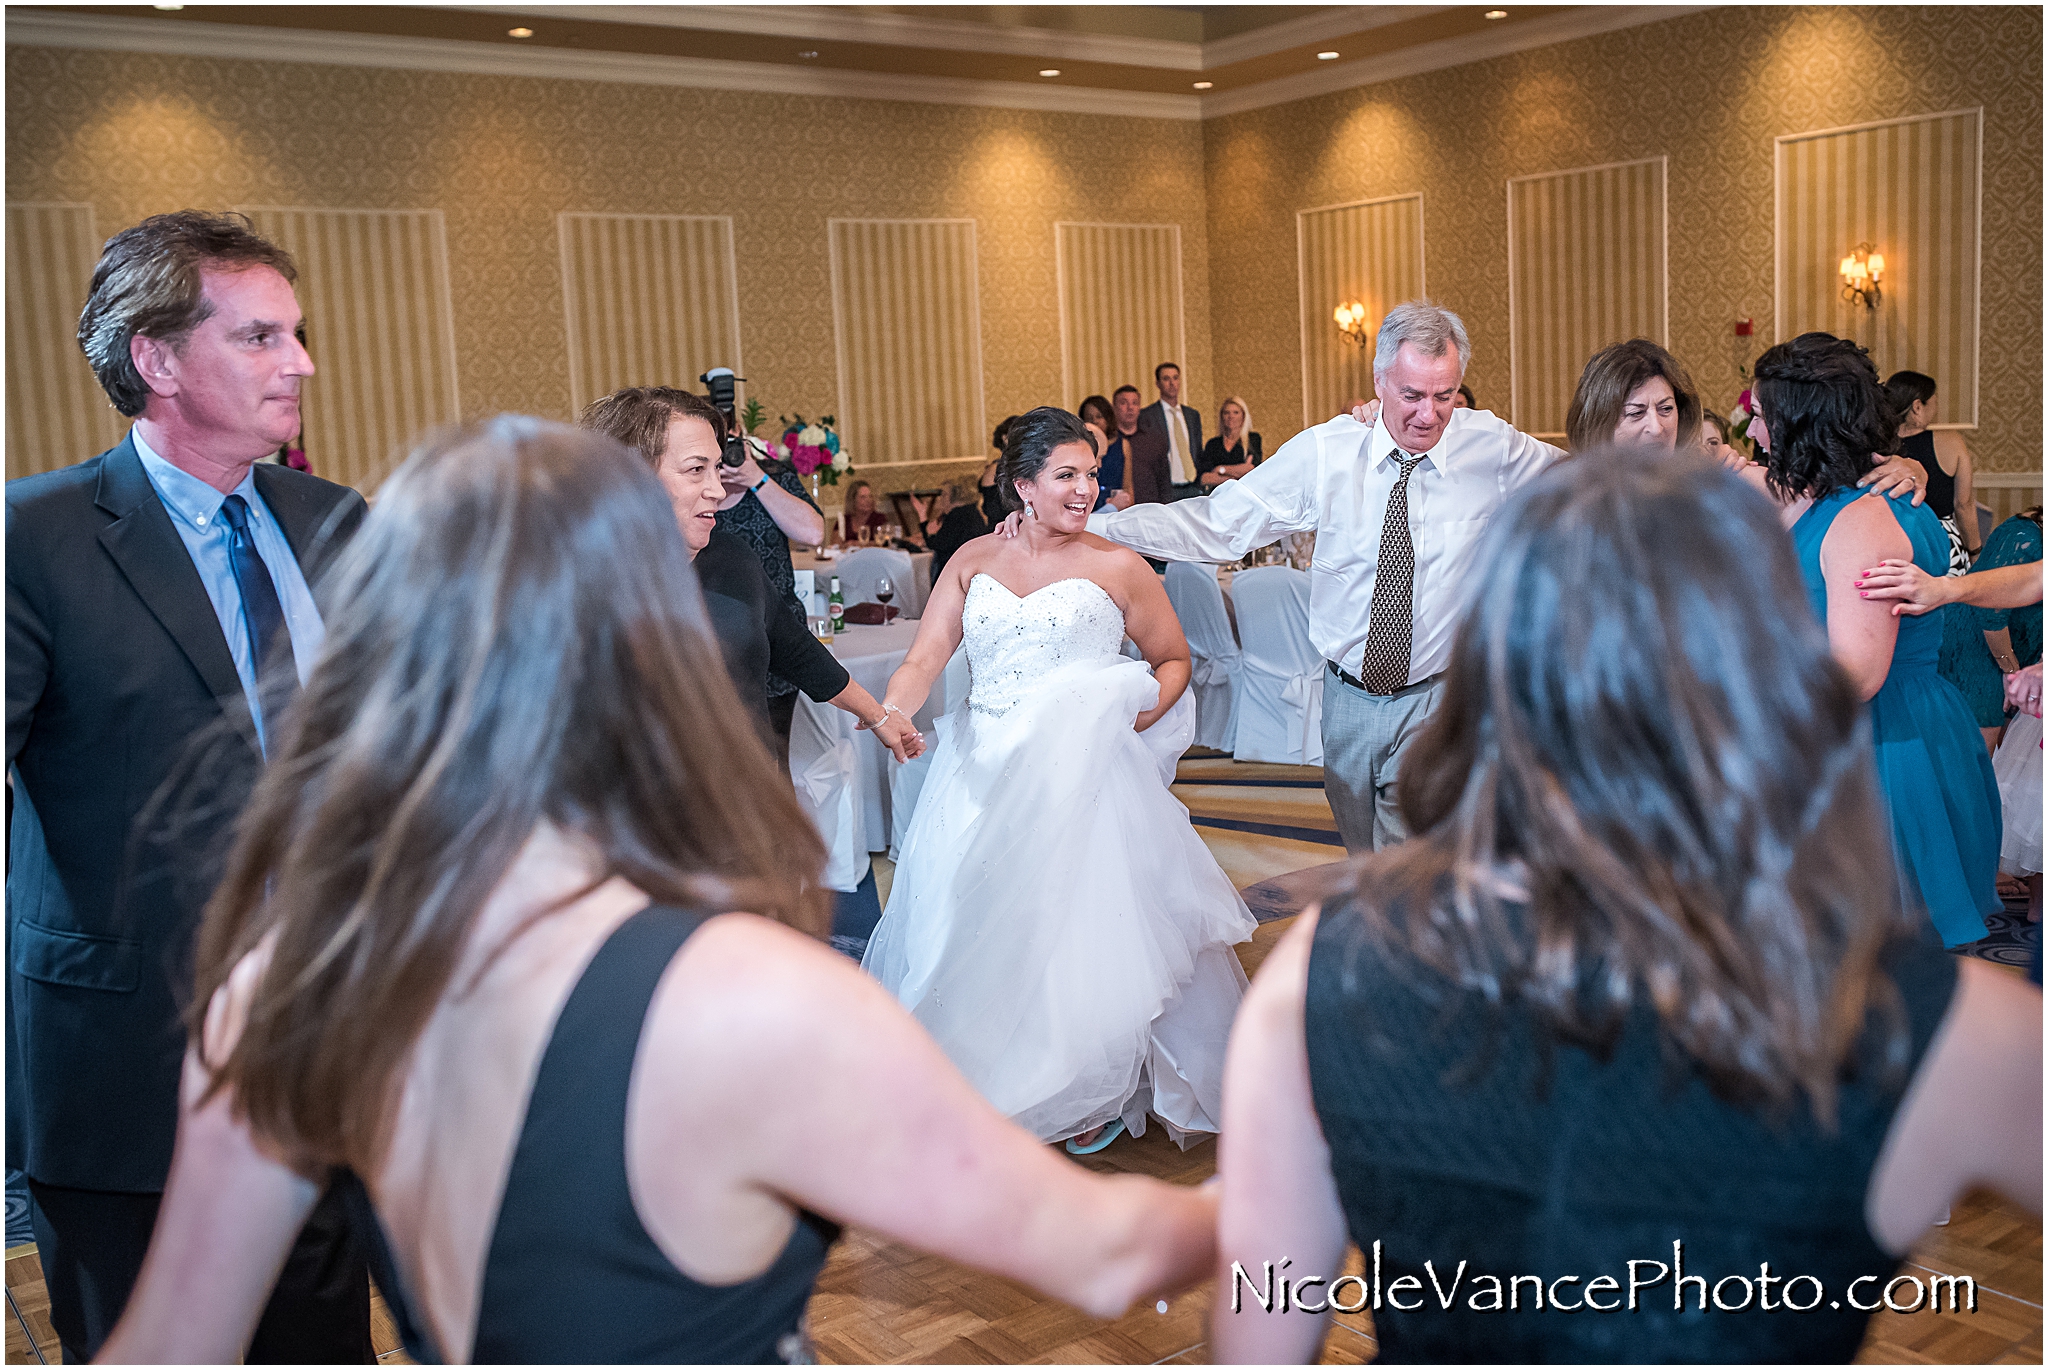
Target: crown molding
x=824 y=24
x=1447 y=52
x=195 y=38
x=1311 y=28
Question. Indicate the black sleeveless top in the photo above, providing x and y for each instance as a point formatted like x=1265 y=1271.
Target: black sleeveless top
x=1941 y=486
x=1551 y=1164
x=571 y=1276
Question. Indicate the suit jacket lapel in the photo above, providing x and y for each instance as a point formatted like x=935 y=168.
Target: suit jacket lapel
x=146 y=546
x=314 y=523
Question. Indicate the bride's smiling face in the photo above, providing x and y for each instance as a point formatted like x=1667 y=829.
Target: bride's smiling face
x=1063 y=492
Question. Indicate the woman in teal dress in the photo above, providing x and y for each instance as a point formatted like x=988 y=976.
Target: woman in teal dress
x=1980 y=647
x=1826 y=416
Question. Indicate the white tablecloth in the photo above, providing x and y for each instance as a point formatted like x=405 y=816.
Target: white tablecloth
x=910 y=597
x=855 y=813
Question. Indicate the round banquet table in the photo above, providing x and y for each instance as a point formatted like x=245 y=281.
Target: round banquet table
x=847 y=780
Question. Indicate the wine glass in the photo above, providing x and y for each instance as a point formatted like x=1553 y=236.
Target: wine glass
x=884 y=592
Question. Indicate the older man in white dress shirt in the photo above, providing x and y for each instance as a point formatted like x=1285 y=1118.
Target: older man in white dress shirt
x=1386 y=592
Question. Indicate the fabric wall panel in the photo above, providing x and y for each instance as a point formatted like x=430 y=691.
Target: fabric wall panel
x=1121 y=310
x=1371 y=253
x=1586 y=268
x=1912 y=189
x=380 y=324
x=906 y=322
x=56 y=412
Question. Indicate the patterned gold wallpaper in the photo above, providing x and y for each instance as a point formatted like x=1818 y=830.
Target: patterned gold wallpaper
x=135 y=134
x=1711 y=91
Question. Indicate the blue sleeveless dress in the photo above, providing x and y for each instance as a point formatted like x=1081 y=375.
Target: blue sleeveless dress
x=1931 y=762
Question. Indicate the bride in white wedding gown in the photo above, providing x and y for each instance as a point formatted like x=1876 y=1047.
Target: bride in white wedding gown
x=1055 y=922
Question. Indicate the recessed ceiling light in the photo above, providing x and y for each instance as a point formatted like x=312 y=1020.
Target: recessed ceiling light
x=807 y=56
x=167 y=7
x=1205 y=85
x=1050 y=71
x=519 y=33
x=1496 y=14
x=1327 y=56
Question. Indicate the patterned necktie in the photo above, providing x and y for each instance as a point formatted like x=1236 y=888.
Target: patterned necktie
x=1177 y=443
x=270 y=640
x=1390 y=636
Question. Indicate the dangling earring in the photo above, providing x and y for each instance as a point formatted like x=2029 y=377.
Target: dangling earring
x=1030 y=510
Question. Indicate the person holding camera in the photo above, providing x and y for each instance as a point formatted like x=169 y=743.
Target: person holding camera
x=681 y=436
x=767 y=508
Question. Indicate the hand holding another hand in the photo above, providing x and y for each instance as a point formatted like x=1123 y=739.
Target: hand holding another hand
x=2023 y=689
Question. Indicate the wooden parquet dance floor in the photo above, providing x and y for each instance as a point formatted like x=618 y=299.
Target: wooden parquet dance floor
x=878 y=1302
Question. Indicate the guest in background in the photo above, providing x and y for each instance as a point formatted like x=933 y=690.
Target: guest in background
x=478 y=957
x=862 y=521
x=1137 y=457
x=1715 y=439
x=1603 y=1000
x=1980 y=647
x=1824 y=414
x=992 y=506
x=768 y=508
x=1951 y=481
x=1182 y=429
x=1235 y=450
x=1464 y=399
x=680 y=435
x=1633 y=394
x=953 y=521
x=159 y=614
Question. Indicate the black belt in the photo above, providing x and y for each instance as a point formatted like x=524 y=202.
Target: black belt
x=1355 y=683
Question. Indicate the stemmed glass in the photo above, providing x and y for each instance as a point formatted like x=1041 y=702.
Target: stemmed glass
x=884 y=592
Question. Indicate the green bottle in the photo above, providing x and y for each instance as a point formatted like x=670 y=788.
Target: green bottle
x=838 y=608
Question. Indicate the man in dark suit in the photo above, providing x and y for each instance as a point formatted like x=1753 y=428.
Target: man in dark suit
x=158 y=622
x=1141 y=451
x=1182 y=429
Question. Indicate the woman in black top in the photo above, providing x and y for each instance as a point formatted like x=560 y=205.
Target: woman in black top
x=1637 y=990
x=474 y=960
x=680 y=435
x=1235 y=449
x=952 y=523
x=1951 y=478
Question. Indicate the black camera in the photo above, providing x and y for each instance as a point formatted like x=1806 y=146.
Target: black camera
x=721 y=387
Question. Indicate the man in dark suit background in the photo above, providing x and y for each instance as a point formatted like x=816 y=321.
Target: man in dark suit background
x=1141 y=450
x=1182 y=429
x=158 y=621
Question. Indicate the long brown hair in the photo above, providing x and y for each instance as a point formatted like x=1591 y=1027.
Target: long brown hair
x=1648 y=788
x=1611 y=376
x=514 y=637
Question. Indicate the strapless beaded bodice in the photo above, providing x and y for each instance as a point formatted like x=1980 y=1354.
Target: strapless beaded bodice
x=1012 y=642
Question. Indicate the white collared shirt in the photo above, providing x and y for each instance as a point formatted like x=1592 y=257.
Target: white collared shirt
x=1179 y=459
x=1334 y=479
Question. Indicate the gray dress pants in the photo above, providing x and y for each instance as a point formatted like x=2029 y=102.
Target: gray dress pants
x=1364 y=738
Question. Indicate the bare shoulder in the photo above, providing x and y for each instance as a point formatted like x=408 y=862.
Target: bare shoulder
x=1868 y=526
x=742 y=978
x=976 y=555
x=1111 y=558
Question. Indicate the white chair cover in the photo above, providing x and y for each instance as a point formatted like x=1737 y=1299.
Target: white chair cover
x=1280 y=676
x=861 y=569
x=1198 y=600
x=825 y=766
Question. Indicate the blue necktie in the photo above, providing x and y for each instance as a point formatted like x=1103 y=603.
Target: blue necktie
x=270 y=640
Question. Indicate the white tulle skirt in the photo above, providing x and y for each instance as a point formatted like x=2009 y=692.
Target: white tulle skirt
x=1055 y=922
x=2018 y=764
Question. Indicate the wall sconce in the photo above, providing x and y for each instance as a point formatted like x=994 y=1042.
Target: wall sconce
x=1351 y=322
x=1862 y=273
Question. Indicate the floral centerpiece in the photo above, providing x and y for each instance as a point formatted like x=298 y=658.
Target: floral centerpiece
x=812 y=448
x=1744 y=417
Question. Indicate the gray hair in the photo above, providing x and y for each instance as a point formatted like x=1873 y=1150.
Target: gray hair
x=1431 y=328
